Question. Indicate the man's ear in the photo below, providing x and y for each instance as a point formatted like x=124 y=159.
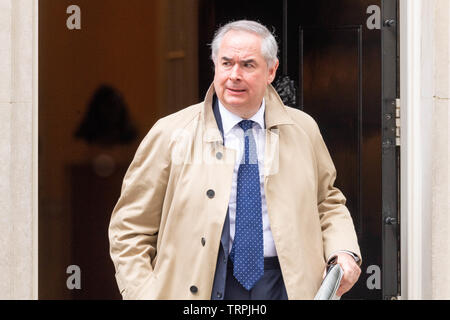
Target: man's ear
x=273 y=72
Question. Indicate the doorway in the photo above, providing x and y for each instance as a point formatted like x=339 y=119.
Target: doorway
x=140 y=53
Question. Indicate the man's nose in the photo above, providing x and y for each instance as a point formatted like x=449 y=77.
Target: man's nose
x=235 y=73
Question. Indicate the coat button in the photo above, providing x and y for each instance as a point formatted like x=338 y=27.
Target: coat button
x=219 y=155
x=203 y=241
x=219 y=295
x=193 y=289
x=210 y=193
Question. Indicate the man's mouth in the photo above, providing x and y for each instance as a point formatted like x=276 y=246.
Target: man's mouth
x=236 y=90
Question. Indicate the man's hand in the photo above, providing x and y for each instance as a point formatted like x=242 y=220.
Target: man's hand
x=351 y=272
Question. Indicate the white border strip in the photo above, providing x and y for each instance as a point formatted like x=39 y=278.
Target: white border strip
x=410 y=34
x=415 y=173
x=35 y=168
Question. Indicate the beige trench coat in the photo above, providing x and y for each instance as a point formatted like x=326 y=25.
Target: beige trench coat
x=166 y=227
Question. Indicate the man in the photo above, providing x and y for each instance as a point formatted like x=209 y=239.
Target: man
x=232 y=198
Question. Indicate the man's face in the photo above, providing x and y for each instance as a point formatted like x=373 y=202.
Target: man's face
x=241 y=73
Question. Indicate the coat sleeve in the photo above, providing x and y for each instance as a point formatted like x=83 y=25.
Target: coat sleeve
x=135 y=220
x=338 y=231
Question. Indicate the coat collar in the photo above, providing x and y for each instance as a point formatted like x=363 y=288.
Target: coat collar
x=275 y=114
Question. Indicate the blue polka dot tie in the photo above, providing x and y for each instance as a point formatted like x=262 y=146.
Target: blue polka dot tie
x=247 y=252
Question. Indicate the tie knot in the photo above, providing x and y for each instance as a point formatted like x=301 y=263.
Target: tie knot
x=246 y=124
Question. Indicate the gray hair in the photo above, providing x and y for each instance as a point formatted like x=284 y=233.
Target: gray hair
x=269 y=46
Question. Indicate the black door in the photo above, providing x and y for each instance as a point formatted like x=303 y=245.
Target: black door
x=335 y=54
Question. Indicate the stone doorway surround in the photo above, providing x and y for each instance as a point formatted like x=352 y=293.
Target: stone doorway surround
x=18 y=149
x=425 y=141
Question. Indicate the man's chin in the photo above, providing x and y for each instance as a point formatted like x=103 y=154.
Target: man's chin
x=235 y=105
x=235 y=102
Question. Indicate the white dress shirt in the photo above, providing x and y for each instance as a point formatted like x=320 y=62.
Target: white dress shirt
x=234 y=139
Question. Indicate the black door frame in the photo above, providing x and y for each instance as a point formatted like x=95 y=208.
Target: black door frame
x=391 y=151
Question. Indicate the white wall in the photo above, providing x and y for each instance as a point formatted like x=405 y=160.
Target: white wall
x=18 y=264
x=440 y=201
x=425 y=228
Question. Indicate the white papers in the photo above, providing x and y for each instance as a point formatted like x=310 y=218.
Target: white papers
x=330 y=284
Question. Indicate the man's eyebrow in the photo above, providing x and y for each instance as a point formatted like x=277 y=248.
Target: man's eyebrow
x=243 y=61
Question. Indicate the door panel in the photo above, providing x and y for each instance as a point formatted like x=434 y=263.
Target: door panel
x=331 y=90
x=343 y=94
x=330 y=62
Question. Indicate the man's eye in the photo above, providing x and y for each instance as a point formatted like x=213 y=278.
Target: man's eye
x=248 y=65
x=226 y=63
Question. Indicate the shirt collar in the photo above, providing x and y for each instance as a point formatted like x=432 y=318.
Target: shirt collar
x=230 y=120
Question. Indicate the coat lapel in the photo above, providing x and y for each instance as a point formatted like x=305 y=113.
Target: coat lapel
x=225 y=239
